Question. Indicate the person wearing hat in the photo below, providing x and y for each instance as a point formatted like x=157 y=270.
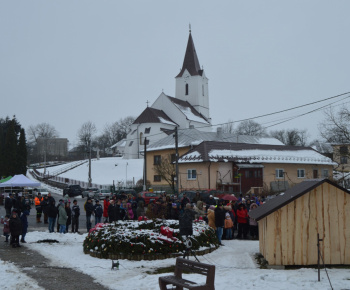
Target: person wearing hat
x=89 y=209
x=211 y=200
x=75 y=216
x=98 y=211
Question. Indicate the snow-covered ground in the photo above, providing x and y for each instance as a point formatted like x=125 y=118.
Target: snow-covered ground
x=104 y=171
x=235 y=268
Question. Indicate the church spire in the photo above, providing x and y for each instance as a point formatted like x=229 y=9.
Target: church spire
x=191 y=62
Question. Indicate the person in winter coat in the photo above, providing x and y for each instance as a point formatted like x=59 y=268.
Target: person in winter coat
x=185 y=221
x=228 y=226
x=253 y=224
x=8 y=204
x=242 y=219
x=111 y=211
x=219 y=221
x=75 y=216
x=52 y=212
x=98 y=211
x=24 y=222
x=45 y=206
x=89 y=208
x=37 y=201
x=15 y=229
x=69 y=215
x=6 y=222
x=174 y=212
x=140 y=211
x=129 y=212
x=211 y=217
x=199 y=209
x=105 y=209
x=62 y=217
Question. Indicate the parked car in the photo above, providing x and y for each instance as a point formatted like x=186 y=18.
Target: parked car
x=44 y=191
x=102 y=194
x=72 y=190
x=189 y=193
x=90 y=192
x=149 y=196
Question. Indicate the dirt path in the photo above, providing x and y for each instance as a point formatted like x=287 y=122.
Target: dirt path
x=38 y=267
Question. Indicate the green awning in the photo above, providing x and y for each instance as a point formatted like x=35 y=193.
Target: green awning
x=5 y=179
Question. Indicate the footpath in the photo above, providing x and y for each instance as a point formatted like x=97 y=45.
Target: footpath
x=38 y=268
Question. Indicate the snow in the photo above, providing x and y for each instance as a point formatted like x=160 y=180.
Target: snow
x=162 y=120
x=189 y=115
x=12 y=278
x=104 y=170
x=235 y=266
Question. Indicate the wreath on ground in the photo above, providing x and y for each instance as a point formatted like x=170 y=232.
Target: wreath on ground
x=151 y=237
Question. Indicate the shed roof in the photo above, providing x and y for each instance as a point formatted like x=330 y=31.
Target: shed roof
x=291 y=194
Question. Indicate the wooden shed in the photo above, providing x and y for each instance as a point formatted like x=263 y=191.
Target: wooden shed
x=289 y=224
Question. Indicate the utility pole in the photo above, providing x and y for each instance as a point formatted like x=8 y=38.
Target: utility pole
x=90 y=179
x=176 y=161
x=145 y=164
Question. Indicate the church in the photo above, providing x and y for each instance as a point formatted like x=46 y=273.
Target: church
x=189 y=109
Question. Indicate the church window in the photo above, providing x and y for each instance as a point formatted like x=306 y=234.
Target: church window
x=147 y=130
x=141 y=138
x=202 y=90
x=186 y=89
x=131 y=142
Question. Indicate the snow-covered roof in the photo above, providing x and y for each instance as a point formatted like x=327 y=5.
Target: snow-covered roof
x=193 y=137
x=151 y=115
x=120 y=143
x=254 y=153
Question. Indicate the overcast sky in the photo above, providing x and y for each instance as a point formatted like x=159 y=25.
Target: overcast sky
x=68 y=62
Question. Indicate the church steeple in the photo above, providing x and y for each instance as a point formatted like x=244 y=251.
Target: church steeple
x=191 y=62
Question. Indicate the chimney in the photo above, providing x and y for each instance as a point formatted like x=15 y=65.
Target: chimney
x=219 y=132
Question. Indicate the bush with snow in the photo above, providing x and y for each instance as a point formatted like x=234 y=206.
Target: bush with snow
x=146 y=238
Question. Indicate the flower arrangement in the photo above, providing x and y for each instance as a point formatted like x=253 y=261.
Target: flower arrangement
x=149 y=237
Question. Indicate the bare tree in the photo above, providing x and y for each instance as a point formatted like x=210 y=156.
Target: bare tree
x=86 y=133
x=336 y=126
x=42 y=130
x=228 y=127
x=294 y=137
x=252 y=128
x=166 y=169
x=117 y=131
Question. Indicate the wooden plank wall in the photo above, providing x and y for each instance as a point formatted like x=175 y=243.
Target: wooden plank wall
x=289 y=235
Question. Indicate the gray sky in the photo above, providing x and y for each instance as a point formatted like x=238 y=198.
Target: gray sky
x=68 y=62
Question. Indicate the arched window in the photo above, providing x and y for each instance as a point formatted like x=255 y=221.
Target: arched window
x=202 y=90
x=141 y=138
x=186 y=89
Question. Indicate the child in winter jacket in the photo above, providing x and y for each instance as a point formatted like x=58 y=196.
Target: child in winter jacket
x=6 y=222
x=228 y=226
x=129 y=211
x=15 y=229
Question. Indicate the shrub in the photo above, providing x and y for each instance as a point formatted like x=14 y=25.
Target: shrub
x=146 y=238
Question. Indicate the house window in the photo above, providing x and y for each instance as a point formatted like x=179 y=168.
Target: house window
x=186 y=89
x=314 y=173
x=157 y=178
x=325 y=173
x=157 y=159
x=191 y=174
x=343 y=160
x=279 y=173
x=249 y=174
x=147 y=130
x=173 y=158
x=301 y=173
x=131 y=142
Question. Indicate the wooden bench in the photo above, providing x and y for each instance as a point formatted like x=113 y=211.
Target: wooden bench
x=193 y=267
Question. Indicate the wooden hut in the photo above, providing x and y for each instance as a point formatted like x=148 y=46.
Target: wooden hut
x=289 y=224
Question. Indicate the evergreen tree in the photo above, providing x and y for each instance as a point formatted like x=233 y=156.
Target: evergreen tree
x=10 y=150
x=22 y=153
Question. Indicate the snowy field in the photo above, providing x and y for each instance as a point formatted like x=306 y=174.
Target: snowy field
x=104 y=171
x=235 y=268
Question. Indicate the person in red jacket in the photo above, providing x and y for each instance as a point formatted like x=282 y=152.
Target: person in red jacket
x=242 y=220
x=105 y=209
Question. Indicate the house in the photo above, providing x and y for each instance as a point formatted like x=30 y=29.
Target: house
x=188 y=109
x=289 y=225
x=164 y=149
x=238 y=167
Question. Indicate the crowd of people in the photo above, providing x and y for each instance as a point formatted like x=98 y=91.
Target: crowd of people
x=225 y=217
